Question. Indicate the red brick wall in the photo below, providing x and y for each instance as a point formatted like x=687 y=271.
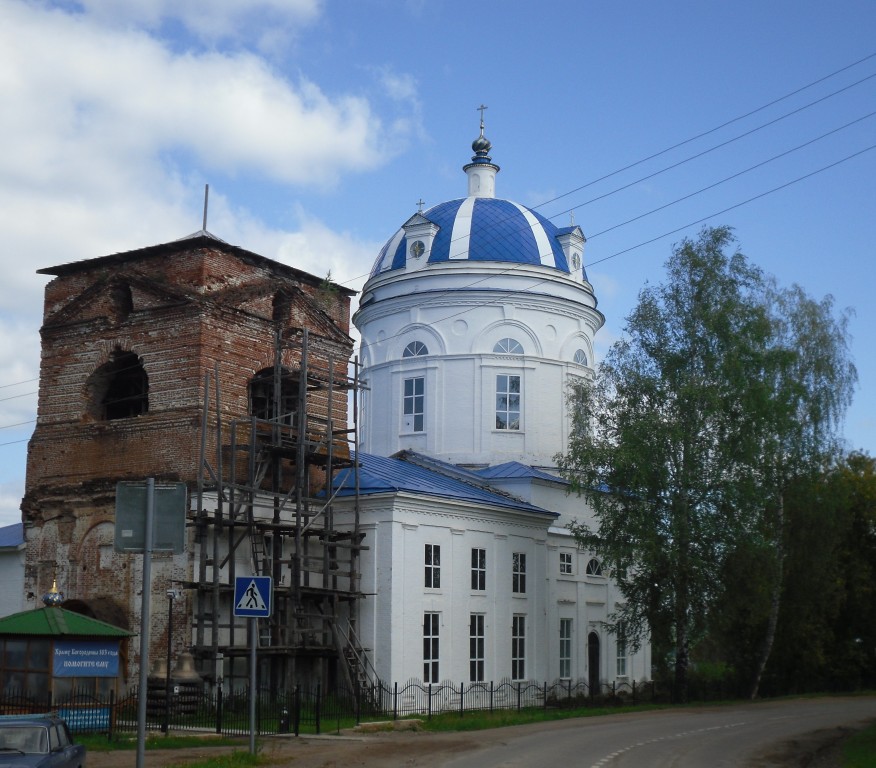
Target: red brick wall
x=192 y=312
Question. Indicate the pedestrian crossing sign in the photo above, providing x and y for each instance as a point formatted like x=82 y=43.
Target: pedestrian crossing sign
x=252 y=596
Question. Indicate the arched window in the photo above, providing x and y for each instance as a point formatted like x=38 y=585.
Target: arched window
x=415 y=349
x=594 y=567
x=580 y=357
x=508 y=347
x=119 y=389
x=261 y=396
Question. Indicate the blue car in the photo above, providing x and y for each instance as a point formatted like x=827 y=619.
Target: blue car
x=43 y=742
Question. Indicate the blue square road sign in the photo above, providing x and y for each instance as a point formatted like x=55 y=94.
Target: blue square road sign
x=252 y=596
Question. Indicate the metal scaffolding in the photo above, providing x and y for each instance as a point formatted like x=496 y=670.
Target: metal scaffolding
x=265 y=506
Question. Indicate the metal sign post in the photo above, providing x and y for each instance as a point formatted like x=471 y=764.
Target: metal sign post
x=252 y=598
x=144 y=624
x=140 y=508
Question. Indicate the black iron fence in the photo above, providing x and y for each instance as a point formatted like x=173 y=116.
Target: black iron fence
x=318 y=710
x=310 y=709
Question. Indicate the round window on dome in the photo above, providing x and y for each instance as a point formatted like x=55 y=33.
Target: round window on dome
x=576 y=261
x=580 y=357
x=418 y=248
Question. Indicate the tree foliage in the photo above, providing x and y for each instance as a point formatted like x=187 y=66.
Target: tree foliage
x=723 y=387
x=826 y=631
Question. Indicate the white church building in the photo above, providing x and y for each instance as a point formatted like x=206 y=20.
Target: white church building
x=475 y=318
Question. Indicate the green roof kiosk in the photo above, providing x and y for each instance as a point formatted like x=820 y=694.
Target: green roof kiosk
x=55 y=659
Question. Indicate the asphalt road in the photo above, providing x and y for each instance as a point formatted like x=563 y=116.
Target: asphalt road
x=750 y=735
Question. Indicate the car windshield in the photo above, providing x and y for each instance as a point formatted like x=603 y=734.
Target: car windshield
x=24 y=738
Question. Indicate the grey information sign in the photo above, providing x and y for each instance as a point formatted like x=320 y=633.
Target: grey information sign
x=169 y=517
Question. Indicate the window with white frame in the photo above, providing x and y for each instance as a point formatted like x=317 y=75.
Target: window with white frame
x=580 y=357
x=430 y=647
x=566 y=563
x=413 y=403
x=508 y=399
x=432 y=578
x=478 y=569
x=621 y=650
x=508 y=347
x=565 y=648
x=415 y=349
x=476 y=647
x=594 y=567
x=518 y=647
x=518 y=573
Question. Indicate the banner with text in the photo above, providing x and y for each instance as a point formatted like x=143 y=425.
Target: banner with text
x=86 y=658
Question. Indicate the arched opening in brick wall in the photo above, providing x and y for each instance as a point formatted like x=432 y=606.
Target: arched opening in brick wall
x=122 y=301
x=261 y=396
x=119 y=389
x=281 y=306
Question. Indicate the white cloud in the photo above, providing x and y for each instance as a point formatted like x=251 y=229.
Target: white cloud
x=10 y=498
x=259 y=21
x=107 y=136
x=87 y=98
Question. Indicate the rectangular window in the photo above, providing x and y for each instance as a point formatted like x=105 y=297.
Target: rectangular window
x=476 y=648
x=518 y=573
x=478 y=569
x=566 y=563
x=414 y=403
x=507 y=402
x=430 y=647
x=518 y=648
x=621 y=650
x=565 y=648
x=433 y=567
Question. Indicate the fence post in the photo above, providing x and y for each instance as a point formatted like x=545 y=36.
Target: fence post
x=219 y=704
x=545 y=694
x=635 y=700
x=429 y=694
x=112 y=715
x=518 y=696
x=491 y=695
x=296 y=710
x=395 y=702
x=461 y=698
x=358 y=702
x=318 y=708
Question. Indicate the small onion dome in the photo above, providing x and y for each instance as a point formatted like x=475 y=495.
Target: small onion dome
x=481 y=145
x=53 y=597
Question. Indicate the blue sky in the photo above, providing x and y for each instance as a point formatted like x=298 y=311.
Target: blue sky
x=319 y=125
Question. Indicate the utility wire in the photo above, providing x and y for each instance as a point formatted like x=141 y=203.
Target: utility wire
x=693 y=138
x=667 y=168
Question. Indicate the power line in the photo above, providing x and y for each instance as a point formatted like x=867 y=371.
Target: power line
x=730 y=122
x=735 y=175
x=738 y=205
x=698 y=136
x=667 y=168
x=18 y=383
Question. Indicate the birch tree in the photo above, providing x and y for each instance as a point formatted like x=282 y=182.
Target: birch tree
x=681 y=433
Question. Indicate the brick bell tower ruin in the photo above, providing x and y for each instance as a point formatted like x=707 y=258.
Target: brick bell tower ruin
x=150 y=358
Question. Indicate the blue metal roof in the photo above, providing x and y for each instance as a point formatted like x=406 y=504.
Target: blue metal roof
x=482 y=229
x=12 y=535
x=378 y=474
x=514 y=469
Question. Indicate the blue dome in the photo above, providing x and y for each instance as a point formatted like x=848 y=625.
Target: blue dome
x=482 y=229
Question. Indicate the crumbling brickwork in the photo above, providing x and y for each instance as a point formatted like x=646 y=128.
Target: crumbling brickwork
x=128 y=342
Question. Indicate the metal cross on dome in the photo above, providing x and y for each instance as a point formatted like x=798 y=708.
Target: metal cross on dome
x=481 y=109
